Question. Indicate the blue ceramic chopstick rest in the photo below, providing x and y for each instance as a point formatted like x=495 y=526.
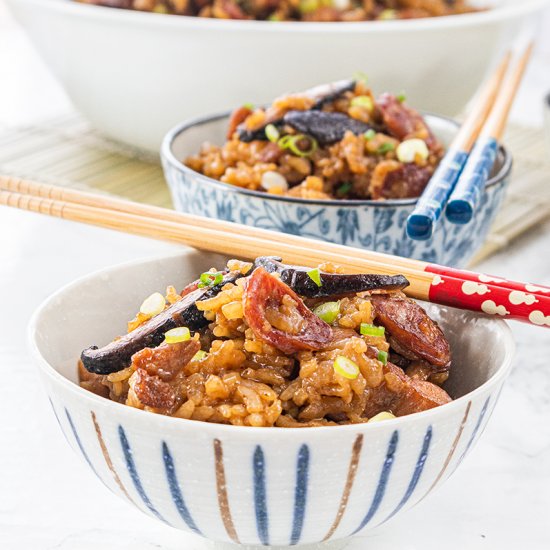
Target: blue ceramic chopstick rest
x=465 y=196
x=430 y=205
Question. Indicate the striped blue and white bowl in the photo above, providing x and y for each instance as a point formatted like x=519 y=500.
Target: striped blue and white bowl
x=257 y=485
x=373 y=225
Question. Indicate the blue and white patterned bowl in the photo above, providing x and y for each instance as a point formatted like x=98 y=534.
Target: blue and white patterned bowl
x=374 y=225
x=257 y=485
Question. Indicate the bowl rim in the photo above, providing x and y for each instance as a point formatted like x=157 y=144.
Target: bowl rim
x=123 y=410
x=168 y=156
x=108 y=14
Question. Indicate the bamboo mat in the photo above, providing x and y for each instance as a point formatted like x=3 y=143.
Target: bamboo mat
x=66 y=151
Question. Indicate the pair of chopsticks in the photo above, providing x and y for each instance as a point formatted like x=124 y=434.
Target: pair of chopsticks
x=457 y=183
x=430 y=282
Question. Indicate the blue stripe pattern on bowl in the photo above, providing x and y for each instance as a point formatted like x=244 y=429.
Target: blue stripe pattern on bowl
x=259 y=465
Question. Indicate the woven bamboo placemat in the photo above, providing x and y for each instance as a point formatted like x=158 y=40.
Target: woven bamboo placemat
x=67 y=151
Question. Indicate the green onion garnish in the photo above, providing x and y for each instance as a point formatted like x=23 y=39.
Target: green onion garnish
x=385 y=147
x=272 y=133
x=369 y=134
x=315 y=276
x=363 y=101
x=283 y=142
x=344 y=189
x=274 y=17
x=383 y=357
x=360 y=76
x=346 y=367
x=328 y=311
x=372 y=330
x=249 y=106
x=176 y=335
x=292 y=144
x=401 y=97
x=210 y=278
x=199 y=356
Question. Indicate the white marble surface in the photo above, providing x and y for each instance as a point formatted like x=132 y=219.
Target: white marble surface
x=499 y=498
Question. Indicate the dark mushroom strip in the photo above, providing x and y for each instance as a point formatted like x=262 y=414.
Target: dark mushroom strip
x=319 y=95
x=325 y=127
x=325 y=93
x=117 y=355
x=332 y=284
x=256 y=135
x=411 y=329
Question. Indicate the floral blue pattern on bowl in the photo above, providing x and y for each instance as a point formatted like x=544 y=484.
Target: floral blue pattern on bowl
x=373 y=225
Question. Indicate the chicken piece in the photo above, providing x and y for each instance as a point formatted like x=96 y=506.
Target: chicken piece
x=403 y=395
x=156 y=381
x=278 y=316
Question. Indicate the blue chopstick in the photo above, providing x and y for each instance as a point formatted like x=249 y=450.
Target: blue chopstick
x=467 y=192
x=430 y=205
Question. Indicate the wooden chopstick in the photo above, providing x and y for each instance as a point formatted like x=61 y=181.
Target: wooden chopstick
x=422 y=221
x=465 y=196
x=428 y=282
x=28 y=187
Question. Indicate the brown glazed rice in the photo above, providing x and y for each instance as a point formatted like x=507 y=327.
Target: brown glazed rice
x=268 y=356
x=297 y=10
x=335 y=141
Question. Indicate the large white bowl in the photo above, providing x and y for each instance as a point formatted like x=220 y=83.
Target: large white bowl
x=257 y=485
x=135 y=75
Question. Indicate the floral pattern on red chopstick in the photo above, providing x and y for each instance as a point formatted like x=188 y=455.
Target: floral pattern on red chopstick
x=490 y=295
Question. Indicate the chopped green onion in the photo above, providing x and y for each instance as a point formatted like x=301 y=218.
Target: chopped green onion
x=369 y=134
x=363 y=101
x=372 y=330
x=283 y=142
x=344 y=189
x=210 y=278
x=249 y=106
x=346 y=367
x=292 y=144
x=360 y=76
x=385 y=148
x=383 y=357
x=315 y=276
x=328 y=311
x=176 y=335
x=199 y=356
x=272 y=133
x=401 y=97
x=384 y=415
